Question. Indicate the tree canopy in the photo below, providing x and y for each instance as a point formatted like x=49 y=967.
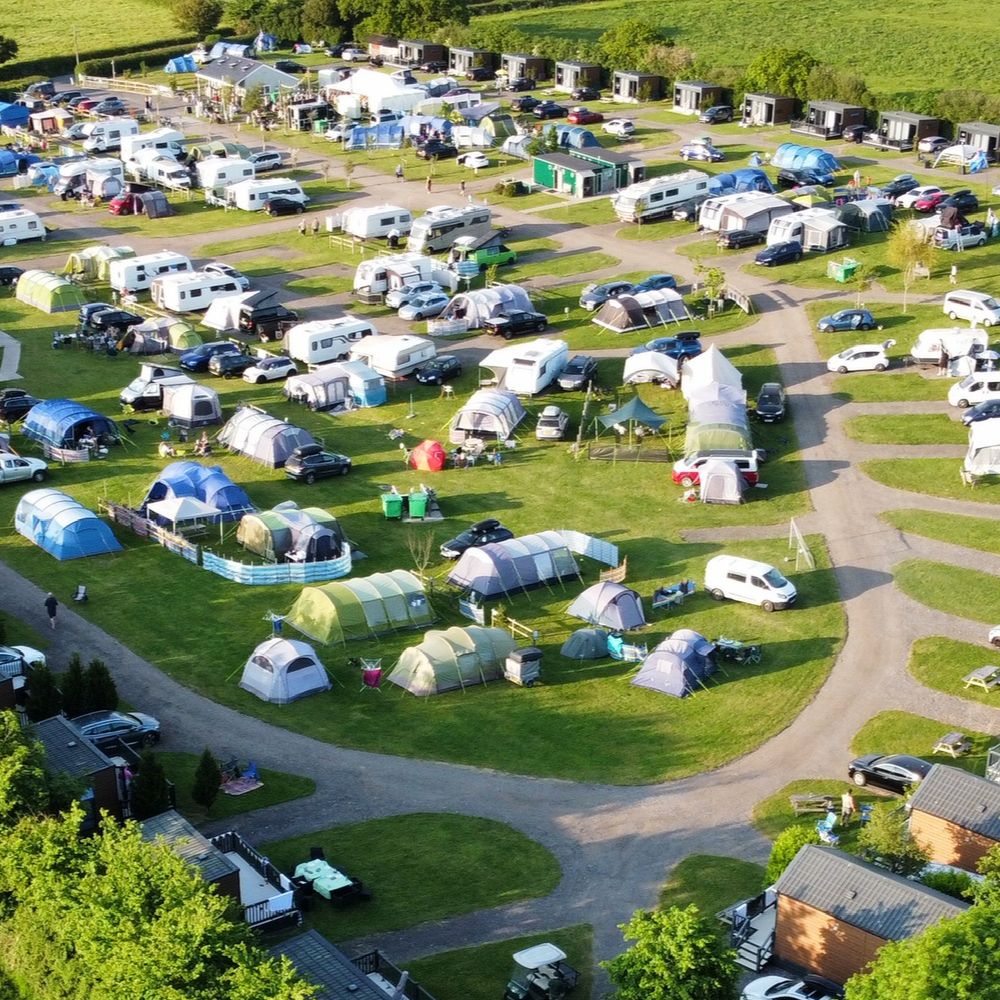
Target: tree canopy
x=198 y=16
x=626 y=44
x=406 y=18
x=22 y=771
x=8 y=49
x=886 y=841
x=780 y=71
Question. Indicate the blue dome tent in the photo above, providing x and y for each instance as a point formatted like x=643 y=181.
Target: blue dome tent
x=795 y=157
x=742 y=179
x=62 y=422
x=181 y=64
x=13 y=114
x=207 y=483
x=62 y=526
x=12 y=162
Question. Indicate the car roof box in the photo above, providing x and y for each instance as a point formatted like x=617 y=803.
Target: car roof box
x=307 y=449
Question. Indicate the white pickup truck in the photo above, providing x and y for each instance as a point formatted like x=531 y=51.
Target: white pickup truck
x=13 y=469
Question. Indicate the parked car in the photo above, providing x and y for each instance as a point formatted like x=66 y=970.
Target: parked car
x=339 y=131
x=289 y=66
x=113 y=321
x=336 y=51
x=786 y=252
x=552 y=424
x=771 y=403
x=110 y=106
x=804 y=176
x=481 y=74
x=700 y=150
x=527 y=103
x=781 y=988
x=584 y=116
x=687 y=211
x=585 y=94
x=76 y=132
x=475 y=160
x=353 y=55
x=266 y=159
x=516 y=323
x=964 y=200
x=855 y=133
x=14 y=408
x=915 y=194
x=433 y=66
x=933 y=144
x=283 y=206
x=594 y=296
x=311 y=462
x=398 y=297
x=104 y=729
x=847 y=319
x=520 y=83
x=930 y=202
x=549 y=109
x=861 y=358
x=682 y=345
x=231 y=365
x=436 y=149
x=737 y=239
x=986 y=410
x=65 y=96
x=960 y=239
x=197 y=359
x=620 y=127
x=687 y=470
x=74 y=103
x=481 y=533
x=9 y=275
x=895 y=772
x=716 y=115
x=438 y=371
x=580 y=371
x=900 y=184
x=15 y=469
x=270 y=370
x=425 y=306
x=227 y=271
x=655 y=282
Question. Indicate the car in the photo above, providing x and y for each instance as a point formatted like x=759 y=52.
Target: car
x=515 y=323
x=900 y=184
x=456 y=91
x=74 y=102
x=552 y=424
x=620 y=127
x=681 y=346
x=270 y=370
x=76 y=132
x=580 y=371
x=960 y=238
x=14 y=408
x=965 y=201
x=283 y=206
x=398 y=297
x=438 y=371
x=861 y=358
x=340 y=131
x=931 y=202
x=737 y=239
x=520 y=83
x=113 y=320
x=771 y=403
x=197 y=359
x=585 y=94
x=549 y=109
x=385 y=116
x=436 y=149
x=433 y=66
x=701 y=150
x=336 y=51
x=424 y=306
x=915 y=194
x=266 y=159
x=846 y=319
x=527 y=103
x=594 y=296
x=716 y=114
x=686 y=471
x=782 y=988
x=351 y=54
x=896 y=772
x=481 y=533
x=476 y=160
x=107 y=729
x=854 y=133
x=933 y=144
x=110 y=106
x=231 y=365
x=14 y=469
x=65 y=96
x=584 y=116
x=986 y=410
x=227 y=271
x=786 y=252
x=804 y=176
x=481 y=74
x=655 y=282
x=687 y=211
x=311 y=462
x=289 y=66
x=9 y=274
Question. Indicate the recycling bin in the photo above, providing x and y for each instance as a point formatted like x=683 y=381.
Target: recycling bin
x=392 y=505
x=418 y=504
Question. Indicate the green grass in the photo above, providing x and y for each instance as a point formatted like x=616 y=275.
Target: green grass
x=711 y=883
x=965 y=593
x=421 y=866
x=592 y=212
x=902 y=327
x=655 y=231
x=481 y=972
x=562 y=265
x=889 y=387
x=320 y=285
x=697 y=249
x=941 y=663
x=18 y=633
x=979 y=533
x=937 y=477
x=773 y=815
x=524 y=202
x=911 y=428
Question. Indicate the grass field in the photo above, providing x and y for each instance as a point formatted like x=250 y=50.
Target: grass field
x=889 y=387
x=711 y=883
x=941 y=663
x=965 y=593
x=979 y=533
x=912 y=428
x=937 y=477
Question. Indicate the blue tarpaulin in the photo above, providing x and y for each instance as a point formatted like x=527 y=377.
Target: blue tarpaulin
x=62 y=526
x=794 y=157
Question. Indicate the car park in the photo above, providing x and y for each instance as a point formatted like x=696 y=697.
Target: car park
x=436 y=149
x=716 y=115
x=680 y=346
x=481 y=533
x=398 y=297
x=283 y=206
x=738 y=239
x=894 y=772
x=231 y=365
x=584 y=116
x=9 y=275
x=425 y=306
x=476 y=160
x=933 y=144
x=73 y=104
x=770 y=407
x=964 y=200
x=197 y=359
x=861 y=358
x=270 y=370
x=620 y=127
x=594 y=296
x=311 y=462
x=15 y=468
x=804 y=176
x=846 y=319
x=701 y=150
x=580 y=371
x=783 y=988
x=438 y=371
x=552 y=424
x=526 y=103
x=266 y=159
x=930 y=202
x=108 y=729
x=911 y=197
x=227 y=271
x=585 y=94
x=65 y=96
x=549 y=109
x=15 y=407
x=515 y=323
x=986 y=410
x=655 y=282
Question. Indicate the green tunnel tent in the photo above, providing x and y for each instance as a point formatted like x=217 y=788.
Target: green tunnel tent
x=49 y=292
x=361 y=607
x=92 y=262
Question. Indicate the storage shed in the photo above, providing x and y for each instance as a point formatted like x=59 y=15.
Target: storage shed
x=452 y=659
x=691 y=97
x=570 y=75
x=767 y=109
x=636 y=87
x=520 y=64
x=566 y=174
x=461 y=60
x=982 y=135
x=902 y=130
x=828 y=119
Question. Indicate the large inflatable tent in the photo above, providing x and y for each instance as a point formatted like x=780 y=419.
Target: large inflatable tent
x=181 y=64
x=307 y=535
x=721 y=425
x=262 y=438
x=678 y=665
x=49 y=292
x=62 y=526
x=92 y=262
x=481 y=304
x=610 y=605
x=203 y=482
x=983 y=456
x=62 y=422
x=282 y=670
x=513 y=565
x=739 y=181
x=452 y=659
x=192 y=405
x=710 y=366
x=488 y=413
x=871 y=215
x=792 y=156
x=651 y=366
x=642 y=311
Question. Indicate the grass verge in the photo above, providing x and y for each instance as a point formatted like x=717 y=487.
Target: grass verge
x=889 y=387
x=941 y=663
x=979 y=533
x=711 y=882
x=907 y=429
x=965 y=593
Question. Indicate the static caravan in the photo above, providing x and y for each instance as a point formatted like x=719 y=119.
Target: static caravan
x=691 y=97
x=461 y=60
x=571 y=75
x=521 y=65
x=981 y=135
x=767 y=109
x=168 y=173
x=902 y=130
x=191 y=292
x=108 y=135
x=250 y=195
x=441 y=225
x=324 y=340
x=657 y=198
x=528 y=368
x=166 y=141
x=379 y=221
x=20 y=224
x=814 y=228
x=382 y=274
x=394 y=357
x=221 y=171
x=134 y=274
x=636 y=87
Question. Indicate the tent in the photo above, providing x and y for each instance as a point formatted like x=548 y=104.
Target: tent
x=158 y=335
x=642 y=311
x=13 y=162
x=388 y=135
x=489 y=412
x=218 y=147
x=366 y=385
x=181 y=64
x=92 y=262
x=283 y=670
x=204 y=482
x=635 y=411
x=717 y=425
x=452 y=659
x=740 y=180
x=795 y=157
x=224 y=312
x=513 y=565
x=312 y=534
x=610 y=605
x=651 y=366
x=710 y=366
x=586 y=644
x=49 y=292
x=361 y=607
x=983 y=456
x=720 y=482
x=428 y=456
x=960 y=154
x=871 y=215
x=479 y=305
x=62 y=526
x=191 y=405
x=236 y=50
x=178 y=510
x=678 y=665
x=323 y=389
x=62 y=422
x=13 y=115
x=262 y=438
x=155 y=205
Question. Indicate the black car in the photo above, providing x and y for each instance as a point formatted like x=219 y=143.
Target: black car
x=438 y=371
x=527 y=103
x=267 y=321
x=231 y=365
x=433 y=66
x=14 y=408
x=986 y=410
x=965 y=201
x=586 y=94
x=113 y=320
x=854 y=133
x=9 y=275
x=580 y=371
x=687 y=211
x=549 y=109
x=336 y=51
x=289 y=66
x=516 y=323
x=481 y=73
x=682 y=345
x=789 y=177
x=895 y=772
x=65 y=96
x=197 y=359
x=311 y=462
x=736 y=239
x=519 y=83
x=283 y=206
x=481 y=533
x=74 y=101
x=107 y=729
x=780 y=253
x=716 y=115
x=436 y=149
x=899 y=185
x=771 y=403
x=111 y=106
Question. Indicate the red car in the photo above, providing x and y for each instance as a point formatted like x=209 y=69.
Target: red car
x=930 y=202
x=584 y=116
x=87 y=104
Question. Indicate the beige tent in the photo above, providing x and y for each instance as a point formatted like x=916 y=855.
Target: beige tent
x=454 y=658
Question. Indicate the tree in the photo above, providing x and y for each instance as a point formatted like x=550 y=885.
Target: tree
x=44 y=700
x=148 y=793
x=8 y=49
x=862 y=281
x=253 y=99
x=670 y=61
x=787 y=844
x=677 y=955
x=348 y=171
x=907 y=249
x=404 y=18
x=828 y=83
x=246 y=15
x=73 y=685
x=102 y=692
x=781 y=71
x=22 y=771
x=885 y=841
x=206 y=780
x=321 y=19
x=197 y=16
x=626 y=44
x=988 y=891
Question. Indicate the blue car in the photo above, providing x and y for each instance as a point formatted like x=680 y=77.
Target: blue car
x=655 y=282
x=847 y=319
x=685 y=344
x=780 y=253
x=988 y=409
x=704 y=151
x=197 y=359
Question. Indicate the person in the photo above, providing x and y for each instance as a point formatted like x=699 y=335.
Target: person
x=167 y=450
x=202 y=445
x=88 y=439
x=302 y=227
x=393 y=238
x=943 y=362
x=430 y=184
x=954 y=274
x=461 y=187
x=847 y=807
x=399 y=171
x=50 y=606
x=315 y=227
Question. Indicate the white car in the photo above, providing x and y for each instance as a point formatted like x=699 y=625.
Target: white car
x=340 y=131
x=354 y=55
x=620 y=127
x=552 y=424
x=270 y=370
x=227 y=271
x=476 y=160
x=425 y=306
x=783 y=988
x=909 y=199
x=399 y=297
x=932 y=144
x=861 y=358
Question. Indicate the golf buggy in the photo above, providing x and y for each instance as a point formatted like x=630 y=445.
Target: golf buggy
x=540 y=973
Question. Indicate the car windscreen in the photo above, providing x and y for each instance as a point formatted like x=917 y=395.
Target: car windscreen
x=775 y=579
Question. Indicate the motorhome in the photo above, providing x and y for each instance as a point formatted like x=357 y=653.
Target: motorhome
x=145 y=392
x=250 y=195
x=657 y=198
x=382 y=274
x=324 y=340
x=166 y=141
x=73 y=175
x=815 y=228
x=750 y=210
x=377 y=222
x=394 y=357
x=192 y=292
x=168 y=173
x=138 y=165
x=134 y=274
x=528 y=368
x=976 y=307
x=957 y=342
x=107 y=135
x=20 y=224
x=441 y=225
x=220 y=171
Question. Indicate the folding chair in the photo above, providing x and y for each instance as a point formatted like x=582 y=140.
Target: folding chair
x=371 y=675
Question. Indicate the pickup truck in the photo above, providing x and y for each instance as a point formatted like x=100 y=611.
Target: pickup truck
x=516 y=323
x=14 y=469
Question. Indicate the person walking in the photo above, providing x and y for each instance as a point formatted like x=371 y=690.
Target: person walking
x=943 y=363
x=847 y=807
x=51 y=604
x=399 y=171
x=302 y=227
x=315 y=227
x=461 y=187
x=954 y=274
x=430 y=184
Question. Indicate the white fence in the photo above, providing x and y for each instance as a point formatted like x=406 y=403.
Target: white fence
x=124 y=84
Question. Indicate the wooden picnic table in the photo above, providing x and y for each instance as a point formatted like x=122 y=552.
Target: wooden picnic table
x=987 y=678
x=955 y=744
x=810 y=803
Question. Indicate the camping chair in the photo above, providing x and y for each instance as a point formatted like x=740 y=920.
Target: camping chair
x=371 y=675
x=251 y=771
x=81 y=594
x=824 y=827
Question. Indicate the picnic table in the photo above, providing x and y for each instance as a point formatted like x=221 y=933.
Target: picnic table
x=810 y=803
x=955 y=744
x=325 y=878
x=737 y=651
x=987 y=678
x=673 y=595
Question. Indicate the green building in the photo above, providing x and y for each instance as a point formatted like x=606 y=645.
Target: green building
x=588 y=172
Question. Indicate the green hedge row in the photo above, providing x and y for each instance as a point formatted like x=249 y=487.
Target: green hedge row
x=503 y=6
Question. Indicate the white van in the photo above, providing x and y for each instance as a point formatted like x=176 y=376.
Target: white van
x=218 y=171
x=134 y=274
x=250 y=195
x=975 y=388
x=324 y=340
x=394 y=357
x=20 y=224
x=749 y=581
x=958 y=342
x=168 y=173
x=366 y=223
x=976 y=307
x=109 y=134
x=191 y=292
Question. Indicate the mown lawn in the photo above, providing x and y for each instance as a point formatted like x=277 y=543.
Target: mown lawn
x=711 y=882
x=889 y=387
x=912 y=428
x=937 y=477
x=955 y=590
x=978 y=533
x=941 y=663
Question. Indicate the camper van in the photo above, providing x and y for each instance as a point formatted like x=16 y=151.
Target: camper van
x=20 y=224
x=814 y=228
x=394 y=357
x=140 y=162
x=748 y=581
x=382 y=274
x=325 y=340
x=441 y=225
x=168 y=173
x=753 y=211
x=145 y=392
x=957 y=342
x=191 y=292
x=108 y=135
x=528 y=368
x=250 y=195
x=368 y=223
x=657 y=199
x=975 y=388
x=219 y=171
x=166 y=141
x=73 y=175
x=134 y=274
x=976 y=307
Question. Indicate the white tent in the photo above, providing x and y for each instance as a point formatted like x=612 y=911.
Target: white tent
x=720 y=482
x=282 y=670
x=642 y=311
x=983 y=456
x=714 y=392
x=177 y=510
x=377 y=90
x=493 y=412
x=711 y=366
x=482 y=304
x=651 y=366
x=959 y=154
x=224 y=312
x=192 y=405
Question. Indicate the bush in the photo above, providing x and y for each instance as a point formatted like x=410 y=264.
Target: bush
x=509 y=189
x=957 y=884
x=786 y=846
x=206 y=781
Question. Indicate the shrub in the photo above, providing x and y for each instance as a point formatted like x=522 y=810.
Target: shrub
x=206 y=781
x=508 y=189
x=957 y=884
x=786 y=846
x=148 y=793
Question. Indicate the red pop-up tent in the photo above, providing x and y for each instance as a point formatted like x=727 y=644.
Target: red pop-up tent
x=428 y=456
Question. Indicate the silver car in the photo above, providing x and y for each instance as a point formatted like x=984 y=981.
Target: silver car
x=552 y=424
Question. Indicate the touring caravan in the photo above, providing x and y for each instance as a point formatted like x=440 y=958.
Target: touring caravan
x=250 y=195
x=814 y=228
x=168 y=173
x=654 y=199
x=528 y=368
x=20 y=224
x=219 y=171
x=134 y=274
x=394 y=357
x=191 y=292
x=368 y=223
x=382 y=274
x=441 y=225
x=73 y=175
x=324 y=340
x=166 y=141
x=751 y=210
x=108 y=135
x=712 y=210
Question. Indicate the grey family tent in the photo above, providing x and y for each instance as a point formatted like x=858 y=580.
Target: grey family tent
x=872 y=215
x=307 y=535
x=481 y=304
x=651 y=366
x=361 y=607
x=62 y=526
x=586 y=644
x=283 y=670
x=160 y=335
x=202 y=482
x=452 y=659
x=192 y=405
x=513 y=565
x=678 y=665
x=720 y=481
x=488 y=413
x=323 y=389
x=983 y=456
x=642 y=311
x=62 y=422
x=708 y=367
x=262 y=438
x=155 y=205
x=611 y=605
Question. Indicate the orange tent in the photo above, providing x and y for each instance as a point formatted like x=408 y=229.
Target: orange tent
x=428 y=456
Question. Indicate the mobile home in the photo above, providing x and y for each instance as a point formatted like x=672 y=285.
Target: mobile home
x=20 y=224
x=394 y=357
x=441 y=225
x=382 y=274
x=191 y=292
x=250 y=195
x=167 y=141
x=657 y=198
x=220 y=171
x=814 y=228
x=528 y=368
x=108 y=135
x=324 y=340
x=378 y=221
x=134 y=274
x=828 y=119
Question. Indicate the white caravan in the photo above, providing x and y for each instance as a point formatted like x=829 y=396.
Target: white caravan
x=20 y=224
x=441 y=225
x=166 y=141
x=657 y=198
x=753 y=211
x=134 y=274
x=168 y=173
x=957 y=342
x=220 y=171
x=107 y=135
x=191 y=292
x=394 y=357
x=250 y=195
x=382 y=274
x=368 y=223
x=528 y=368
x=324 y=340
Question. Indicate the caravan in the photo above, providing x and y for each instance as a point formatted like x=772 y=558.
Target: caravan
x=368 y=223
x=168 y=173
x=528 y=368
x=441 y=225
x=135 y=274
x=220 y=171
x=108 y=135
x=752 y=211
x=191 y=292
x=322 y=341
x=957 y=342
x=383 y=274
x=166 y=141
x=655 y=199
x=394 y=357
x=250 y=195
x=73 y=175
x=814 y=228
x=20 y=224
